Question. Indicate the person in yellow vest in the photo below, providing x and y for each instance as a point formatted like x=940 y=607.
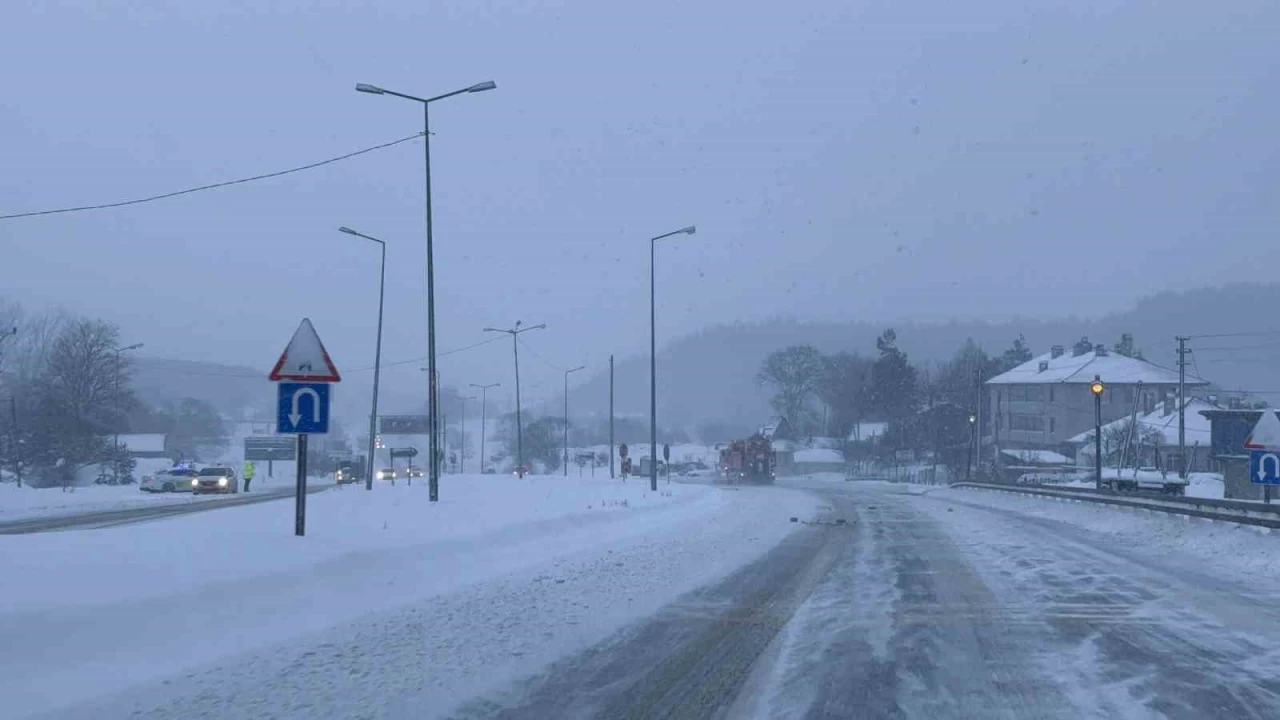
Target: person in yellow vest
x=248 y=474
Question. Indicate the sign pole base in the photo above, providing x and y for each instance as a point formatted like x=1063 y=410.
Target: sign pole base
x=300 y=501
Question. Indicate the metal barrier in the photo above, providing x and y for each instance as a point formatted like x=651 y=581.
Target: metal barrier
x=1236 y=511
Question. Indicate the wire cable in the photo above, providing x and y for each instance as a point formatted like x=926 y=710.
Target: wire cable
x=1235 y=335
x=547 y=362
x=213 y=186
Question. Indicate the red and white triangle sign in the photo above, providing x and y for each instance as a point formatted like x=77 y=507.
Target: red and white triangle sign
x=305 y=359
x=1266 y=434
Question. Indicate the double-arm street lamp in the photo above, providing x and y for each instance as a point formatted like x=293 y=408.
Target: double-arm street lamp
x=432 y=399
x=653 y=360
x=484 y=406
x=566 y=415
x=377 y=352
x=515 y=348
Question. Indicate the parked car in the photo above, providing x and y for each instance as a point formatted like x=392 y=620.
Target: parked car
x=215 y=479
x=413 y=472
x=386 y=474
x=175 y=479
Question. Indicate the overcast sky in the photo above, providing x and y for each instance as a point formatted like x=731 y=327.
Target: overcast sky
x=841 y=159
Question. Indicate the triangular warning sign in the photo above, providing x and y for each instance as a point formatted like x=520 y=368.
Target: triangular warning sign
x=305 y=359
x=1266 y=434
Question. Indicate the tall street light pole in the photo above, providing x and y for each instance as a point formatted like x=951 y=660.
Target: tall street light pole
x=566 y=416
x=653 y=359
x=115 y=462
x=1097 y=388
x=377 y=351
x=462 y=435
x=484 y=407
x=515 y=349
x=434 y=483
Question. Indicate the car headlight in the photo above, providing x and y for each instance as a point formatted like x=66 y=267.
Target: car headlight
x=222 y=482
x=194 y=482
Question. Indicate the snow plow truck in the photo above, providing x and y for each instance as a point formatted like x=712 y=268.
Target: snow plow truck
x=748 y=461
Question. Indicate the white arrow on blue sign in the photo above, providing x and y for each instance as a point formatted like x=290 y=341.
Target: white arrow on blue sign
x=302 y=408
x=1264 y=467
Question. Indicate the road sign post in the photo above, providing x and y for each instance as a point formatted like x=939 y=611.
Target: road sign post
x=302 y=403
x=300 y=499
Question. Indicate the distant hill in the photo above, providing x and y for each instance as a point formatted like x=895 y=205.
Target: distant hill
x=711 y=375
x=229 y=388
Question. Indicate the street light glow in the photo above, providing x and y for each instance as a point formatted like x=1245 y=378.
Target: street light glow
x=1097 y=387
x=371 y=89
x=481 y=87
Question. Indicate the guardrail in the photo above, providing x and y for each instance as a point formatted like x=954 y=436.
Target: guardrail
x=1236 y=511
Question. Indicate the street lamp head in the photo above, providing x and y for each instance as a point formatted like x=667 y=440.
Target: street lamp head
x=481 y=87
x=371 y=89
x=348 y=231
x=972 y=418
x=1097 y=387
x=689 y=230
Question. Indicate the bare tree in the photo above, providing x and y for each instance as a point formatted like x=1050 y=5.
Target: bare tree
x=795 y=373
x=81 y=394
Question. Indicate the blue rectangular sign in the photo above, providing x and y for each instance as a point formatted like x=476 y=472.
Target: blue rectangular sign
x=1264 y=467
x=302 y=408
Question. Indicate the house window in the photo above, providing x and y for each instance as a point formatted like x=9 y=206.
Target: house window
x=1052 y=424
x=1035 y=393
x=1033 y=423
x=1050 y=393
x=1017 y=393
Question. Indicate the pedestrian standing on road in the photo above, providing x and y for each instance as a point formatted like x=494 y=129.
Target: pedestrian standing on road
x=248 y=474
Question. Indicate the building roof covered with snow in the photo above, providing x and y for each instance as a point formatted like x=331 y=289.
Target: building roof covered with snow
x=1197 y=425
x=143 y=442
x=778 y=428
x=1059 y=366
x=819 y=455
x=862 y=432
x=1036 y=457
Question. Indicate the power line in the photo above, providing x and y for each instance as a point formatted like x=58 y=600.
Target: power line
x=1221 y=348
x=548 y=363
x=213 y=186
x=1233 y=335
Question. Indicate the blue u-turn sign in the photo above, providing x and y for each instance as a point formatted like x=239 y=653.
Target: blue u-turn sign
x=302 y=408
x=1264 y=467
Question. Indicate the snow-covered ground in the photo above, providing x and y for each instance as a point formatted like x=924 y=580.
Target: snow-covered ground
x=1200 y=485
x=438 y=600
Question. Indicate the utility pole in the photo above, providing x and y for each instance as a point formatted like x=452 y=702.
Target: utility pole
x=13 y=434
x=1182 y=406
x=611 y=417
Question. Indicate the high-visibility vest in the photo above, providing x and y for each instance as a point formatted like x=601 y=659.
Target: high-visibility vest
x=248 y=470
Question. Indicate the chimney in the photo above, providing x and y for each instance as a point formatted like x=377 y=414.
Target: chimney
x=1056 y=351
x=1126 y=345
x=1081 y=347
x=1170 y=403
x=1044 y=365
x=1100 y=350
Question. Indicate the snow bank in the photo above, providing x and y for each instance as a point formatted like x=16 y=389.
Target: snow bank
x=21 y=503
x=1243 y=552
x=192 y=591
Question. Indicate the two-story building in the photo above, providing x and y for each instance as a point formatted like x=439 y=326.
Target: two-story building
x=1044 y=402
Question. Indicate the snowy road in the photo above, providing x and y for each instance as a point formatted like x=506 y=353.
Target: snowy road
x=945 y=604
x=934 y=606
